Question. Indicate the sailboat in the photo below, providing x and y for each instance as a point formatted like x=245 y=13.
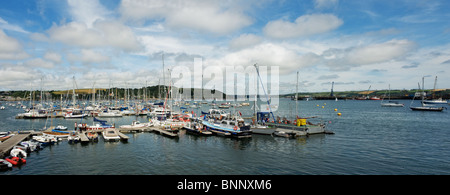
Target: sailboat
x=390 y=103
x=424 y=107
x=259 y=126
x=285 y=128
x=435 y=101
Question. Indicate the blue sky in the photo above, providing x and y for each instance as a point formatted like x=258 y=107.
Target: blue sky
x=356 y=44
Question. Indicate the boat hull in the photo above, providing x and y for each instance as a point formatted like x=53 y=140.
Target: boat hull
x=432 y=109
x=242 y=132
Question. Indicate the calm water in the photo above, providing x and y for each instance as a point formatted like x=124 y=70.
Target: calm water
x=369 y=139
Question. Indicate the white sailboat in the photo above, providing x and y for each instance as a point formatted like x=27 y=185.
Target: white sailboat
x=435 y=101
x=390 y=103
x=424 y=106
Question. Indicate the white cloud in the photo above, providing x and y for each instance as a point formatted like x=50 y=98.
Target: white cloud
x=305 y=25
x=88 y=56
x=217 y=17
x=157 y=44
x=103 y=34
x=53 y=56
x=76 y=33
x=10 y=48
x=87 y=11
x=7 y=26
x=17 y=77
x=344 y=59
x=268 y=54
x=119 y=35
x=244 y=41
x=39 y=63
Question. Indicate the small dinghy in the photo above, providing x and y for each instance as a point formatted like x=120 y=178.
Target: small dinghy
x=92 y=136
x=16 y=161
x=31 y=145
x=17 y=152
x=60 y=128
x=73 y=138
x=5 y=165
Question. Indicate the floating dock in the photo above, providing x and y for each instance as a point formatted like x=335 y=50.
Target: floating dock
x=83 y=137
x=7 y=145
x=164 y=132
x=122 y=136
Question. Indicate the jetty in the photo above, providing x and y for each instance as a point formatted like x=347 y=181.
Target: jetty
x=83 y=137
x=164 y=132
x=122 y=136
x=7 y=145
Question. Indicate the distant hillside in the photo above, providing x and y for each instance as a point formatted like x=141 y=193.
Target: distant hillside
x=395 y=94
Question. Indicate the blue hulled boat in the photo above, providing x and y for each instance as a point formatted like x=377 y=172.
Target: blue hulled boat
x=228 y=128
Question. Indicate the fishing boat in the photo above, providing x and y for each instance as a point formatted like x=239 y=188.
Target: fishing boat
x=197 y=128
x=228 y=127
x=110 y=135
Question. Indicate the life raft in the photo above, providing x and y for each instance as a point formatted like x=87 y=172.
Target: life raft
x=16 y=160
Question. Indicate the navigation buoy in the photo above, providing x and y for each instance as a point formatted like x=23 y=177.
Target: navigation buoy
x=323 y=106
x=339 y=114
x=335 y=109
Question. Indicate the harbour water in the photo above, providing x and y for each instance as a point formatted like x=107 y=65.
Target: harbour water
x=368 y=139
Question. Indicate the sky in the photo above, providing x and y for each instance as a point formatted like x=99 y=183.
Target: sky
x=120 y=43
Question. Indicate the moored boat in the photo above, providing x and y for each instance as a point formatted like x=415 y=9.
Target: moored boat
x=196 y=127
x=424 y=106
x=75 y=114
x=228 y=127
x=92 y=136
x=18 y=152
x=110 y=135
x=73 y=138
x=16 y=160
x=392 y=104
x=57 y=134
x=427 y=108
